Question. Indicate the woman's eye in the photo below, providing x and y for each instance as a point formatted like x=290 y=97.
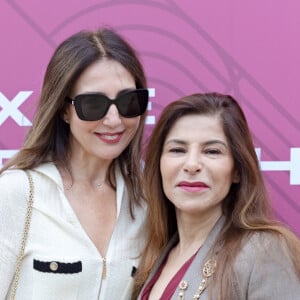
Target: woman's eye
x=213 y=151
x=176 y=150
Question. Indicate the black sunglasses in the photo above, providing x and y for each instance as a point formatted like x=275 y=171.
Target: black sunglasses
x=94 y=106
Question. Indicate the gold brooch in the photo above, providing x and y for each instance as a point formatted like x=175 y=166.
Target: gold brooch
x=209 y=268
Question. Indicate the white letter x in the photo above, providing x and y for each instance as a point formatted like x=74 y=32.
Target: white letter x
x=10 y=108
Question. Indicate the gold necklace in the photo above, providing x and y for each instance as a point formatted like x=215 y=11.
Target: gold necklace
x=98 y=185
x=69 y=186
x=207 y=271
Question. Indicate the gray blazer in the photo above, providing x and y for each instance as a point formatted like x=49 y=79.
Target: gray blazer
x=263 y=270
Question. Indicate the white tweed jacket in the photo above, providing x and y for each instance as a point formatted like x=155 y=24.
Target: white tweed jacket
x=56 y=235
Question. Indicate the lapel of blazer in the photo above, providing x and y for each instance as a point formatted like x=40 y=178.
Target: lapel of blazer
x=193 y=275
x=173 y=241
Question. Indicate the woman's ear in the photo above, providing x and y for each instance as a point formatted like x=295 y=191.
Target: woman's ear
x=65 y=116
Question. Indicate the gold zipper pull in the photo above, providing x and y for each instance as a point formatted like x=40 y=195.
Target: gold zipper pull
x=104 y=268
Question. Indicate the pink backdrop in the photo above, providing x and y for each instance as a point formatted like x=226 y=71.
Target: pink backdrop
x=249 y=49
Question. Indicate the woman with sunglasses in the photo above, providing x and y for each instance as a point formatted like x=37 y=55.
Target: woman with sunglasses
x=83 y=153
x=210 y=230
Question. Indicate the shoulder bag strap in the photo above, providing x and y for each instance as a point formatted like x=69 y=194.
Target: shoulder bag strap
x=24 y=237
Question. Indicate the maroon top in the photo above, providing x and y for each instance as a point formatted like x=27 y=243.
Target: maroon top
x=172 y=285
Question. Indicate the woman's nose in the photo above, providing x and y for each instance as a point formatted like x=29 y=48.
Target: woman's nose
x=193 y=163
x=112 y=117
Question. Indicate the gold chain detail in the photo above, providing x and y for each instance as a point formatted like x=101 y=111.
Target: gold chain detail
x=207 y=271
x=24 y=237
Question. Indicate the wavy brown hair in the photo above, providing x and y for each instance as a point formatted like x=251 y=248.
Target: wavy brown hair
x=246 y=207
x=49 y=136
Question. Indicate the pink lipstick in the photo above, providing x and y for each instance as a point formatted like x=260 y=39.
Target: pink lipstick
x=193 y=187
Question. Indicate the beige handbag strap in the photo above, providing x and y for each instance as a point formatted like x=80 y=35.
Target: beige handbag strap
x=24 y=237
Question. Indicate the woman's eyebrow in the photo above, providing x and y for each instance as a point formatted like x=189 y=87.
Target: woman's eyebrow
x=175 y=141
x=207 y=143
x=212 y=142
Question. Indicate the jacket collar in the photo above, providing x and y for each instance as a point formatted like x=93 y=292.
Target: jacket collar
x=50 y=170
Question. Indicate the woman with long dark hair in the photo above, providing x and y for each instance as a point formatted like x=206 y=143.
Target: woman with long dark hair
x=211 y=234
x=83 y=154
